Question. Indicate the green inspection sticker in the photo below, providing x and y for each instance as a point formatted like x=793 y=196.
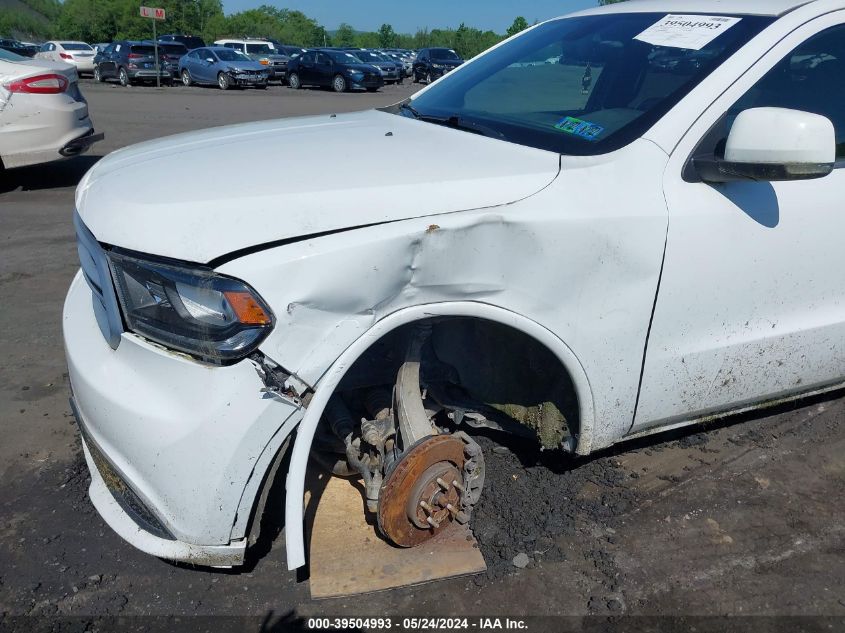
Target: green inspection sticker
x=578 y=127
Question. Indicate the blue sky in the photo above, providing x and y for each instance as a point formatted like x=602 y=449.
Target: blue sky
x=407 y=15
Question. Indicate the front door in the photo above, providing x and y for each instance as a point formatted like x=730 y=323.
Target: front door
x=306 y=68
x=751 y=304
x=323 y=70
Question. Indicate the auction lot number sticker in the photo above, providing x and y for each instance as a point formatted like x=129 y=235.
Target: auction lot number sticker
x=692 y=32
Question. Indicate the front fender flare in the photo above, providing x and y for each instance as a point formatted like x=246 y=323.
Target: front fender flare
x=294 y=511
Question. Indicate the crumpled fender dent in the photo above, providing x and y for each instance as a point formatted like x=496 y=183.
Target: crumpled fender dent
x=541 y=265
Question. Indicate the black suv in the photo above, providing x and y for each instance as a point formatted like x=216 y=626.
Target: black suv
x=19 y=48
x=172 y=52
x=190 y=41
x=131 y=62
x=433 y=63
x=330 y=67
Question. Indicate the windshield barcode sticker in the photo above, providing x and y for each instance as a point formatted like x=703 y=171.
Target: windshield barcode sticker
x=692 y=32
x=584 y=129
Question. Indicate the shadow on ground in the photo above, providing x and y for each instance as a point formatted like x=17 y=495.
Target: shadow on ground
x=66 y=173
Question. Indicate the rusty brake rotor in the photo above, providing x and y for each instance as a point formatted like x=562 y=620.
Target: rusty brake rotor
x=434 y=482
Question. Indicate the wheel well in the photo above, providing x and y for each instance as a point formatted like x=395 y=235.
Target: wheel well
x=479 y=365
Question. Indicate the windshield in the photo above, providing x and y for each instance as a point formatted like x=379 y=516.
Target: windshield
x=143 y=50
x=75 y=46
x=344 y=58
x=444 y=53
x=585 y=85
x=229 y=55
x=259 y=49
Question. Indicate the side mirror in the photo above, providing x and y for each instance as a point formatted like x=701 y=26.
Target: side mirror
x=773 y=144
x=210 y=60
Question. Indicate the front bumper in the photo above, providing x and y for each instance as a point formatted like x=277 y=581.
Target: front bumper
x=368 y=82
x=249 y=80
x=175 y=447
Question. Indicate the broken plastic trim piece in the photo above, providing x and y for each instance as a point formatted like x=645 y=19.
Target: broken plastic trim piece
x=276 y=379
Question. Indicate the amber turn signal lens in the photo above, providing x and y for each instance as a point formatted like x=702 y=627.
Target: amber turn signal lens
x=246 y=308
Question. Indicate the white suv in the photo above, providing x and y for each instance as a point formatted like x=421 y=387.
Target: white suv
x=641 y=235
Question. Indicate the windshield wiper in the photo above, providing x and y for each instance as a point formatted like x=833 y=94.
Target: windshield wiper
x=454 y=121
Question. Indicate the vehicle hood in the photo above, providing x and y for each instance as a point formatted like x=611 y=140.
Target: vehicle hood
x=243 y=65
x=223 y=198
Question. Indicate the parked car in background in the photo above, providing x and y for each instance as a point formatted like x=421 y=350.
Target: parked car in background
x=222 y=66
x=392 y=71
x=43 y=115
x=287 y=49
x=77 y=54
x=261 y=51
x=189 y=41
x=172 y=52
x=403 y=59
x=338 y=69
x=433 y=63
x=99 y=47
x=18 y=47
x=131 y=62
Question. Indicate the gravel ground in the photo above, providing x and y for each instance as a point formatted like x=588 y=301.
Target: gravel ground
x=743 y=518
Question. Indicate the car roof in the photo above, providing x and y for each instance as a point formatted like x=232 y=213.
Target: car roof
x=710 y=7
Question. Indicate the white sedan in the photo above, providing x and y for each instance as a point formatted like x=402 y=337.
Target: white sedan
x=78 y=54
x=43 y=115
x=643 y=235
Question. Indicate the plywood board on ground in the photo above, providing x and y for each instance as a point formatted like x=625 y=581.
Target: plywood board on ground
x=347 y=555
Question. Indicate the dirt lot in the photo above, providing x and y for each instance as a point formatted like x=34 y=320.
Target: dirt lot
x=746 y=518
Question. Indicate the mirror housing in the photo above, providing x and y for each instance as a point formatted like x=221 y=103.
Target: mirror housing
x=209 y=60
x=773 y=144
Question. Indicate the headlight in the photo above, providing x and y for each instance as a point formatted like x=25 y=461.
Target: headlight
x=190 y=309
x=358 y=73
x=438 y=66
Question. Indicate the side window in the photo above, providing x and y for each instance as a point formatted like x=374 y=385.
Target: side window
x=811 y=78
x=308 y=58
x=322 y=58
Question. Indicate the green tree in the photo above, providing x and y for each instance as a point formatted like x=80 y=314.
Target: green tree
x=386 y=36
x=519 y=24
x=344 y=36
x=368 y=39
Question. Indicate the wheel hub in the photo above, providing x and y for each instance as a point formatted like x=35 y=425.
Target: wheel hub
x=435 y=482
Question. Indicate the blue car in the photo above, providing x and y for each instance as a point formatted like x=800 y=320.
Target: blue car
x=222 y=66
